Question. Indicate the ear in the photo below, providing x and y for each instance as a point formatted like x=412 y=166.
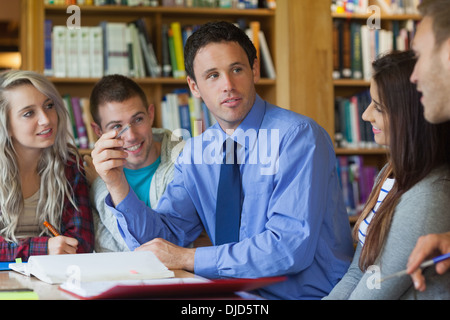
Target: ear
x=256 y=71
x=193 y=86
x=151 y=113
x=97 y=129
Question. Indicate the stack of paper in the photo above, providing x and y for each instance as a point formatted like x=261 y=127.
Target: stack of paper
x=110 y=266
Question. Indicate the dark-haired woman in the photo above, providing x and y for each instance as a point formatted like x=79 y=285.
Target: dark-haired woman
x=411 y=195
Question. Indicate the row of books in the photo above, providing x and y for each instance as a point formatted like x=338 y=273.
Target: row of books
x=186 y=116
x=357 y=180
x=386 y=6
x=351 y=131
x=127 y=49
x=80 y=120
x=225 y=4
x=349 y=6
x=91 y=52
x=355 y=46
x=175 y=35
x=238 y=4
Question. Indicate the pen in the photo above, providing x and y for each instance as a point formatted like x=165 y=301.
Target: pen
x=123 y=130
x=51 y=228
x=422 y=266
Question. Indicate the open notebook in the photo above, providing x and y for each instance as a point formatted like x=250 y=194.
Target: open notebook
x=109 y=266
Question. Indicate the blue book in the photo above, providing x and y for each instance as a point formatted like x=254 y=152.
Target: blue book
x=4 y=266
x=48 y=68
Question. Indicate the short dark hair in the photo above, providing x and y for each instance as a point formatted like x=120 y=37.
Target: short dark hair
x=439 y=11
x=114 y=88
x=215 y=32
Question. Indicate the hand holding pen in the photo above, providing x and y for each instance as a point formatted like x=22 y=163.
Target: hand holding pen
x=428 y=245
x=109 y=158
x=422 y=266
x=60 y=244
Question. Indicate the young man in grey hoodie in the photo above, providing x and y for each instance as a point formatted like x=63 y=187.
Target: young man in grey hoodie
x=118 y=103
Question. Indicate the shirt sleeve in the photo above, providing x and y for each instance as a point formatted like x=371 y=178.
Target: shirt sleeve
x=175 y=218
x=348 y=283
x=24 y=248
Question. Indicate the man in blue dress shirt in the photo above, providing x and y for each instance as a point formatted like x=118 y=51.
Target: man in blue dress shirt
x=293 y=219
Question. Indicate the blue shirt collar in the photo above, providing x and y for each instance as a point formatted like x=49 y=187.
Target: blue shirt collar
x=248 y=129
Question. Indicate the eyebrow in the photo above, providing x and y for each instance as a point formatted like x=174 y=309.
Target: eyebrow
x=231 y=66
x=33 y=105
x=114 y=122
x=376 y=102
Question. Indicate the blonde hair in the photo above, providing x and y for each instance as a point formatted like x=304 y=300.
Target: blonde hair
x=54 y=186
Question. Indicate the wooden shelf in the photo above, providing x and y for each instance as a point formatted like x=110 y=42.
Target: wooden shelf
x=360 y=151
x=155 y=81
x=143 y=10
x=364 y=16
x=351 y=83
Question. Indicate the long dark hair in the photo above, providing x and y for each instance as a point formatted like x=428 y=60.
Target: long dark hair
x=416 y=147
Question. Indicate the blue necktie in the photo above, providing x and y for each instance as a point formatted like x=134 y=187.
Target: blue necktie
x=228 y=207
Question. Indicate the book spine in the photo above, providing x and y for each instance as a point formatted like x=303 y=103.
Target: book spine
x=167 y=67
x=59 y=51
x=48 y=64
x=72 y=53
x=96 y=52
x=183 y=109
x=84 y=56
x=266 y=56
x=173 y=58
x=255 y=27
x=87 y=119
x=73 y=127
x=178 y=44
x=79 y=123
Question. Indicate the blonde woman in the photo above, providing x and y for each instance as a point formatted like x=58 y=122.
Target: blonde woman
x=41 y=178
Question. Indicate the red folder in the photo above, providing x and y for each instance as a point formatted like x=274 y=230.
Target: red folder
x=210 y=289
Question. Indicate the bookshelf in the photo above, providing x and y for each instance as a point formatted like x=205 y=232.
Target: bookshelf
x=346 y=86
x=35 y=12
x=301 y=84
